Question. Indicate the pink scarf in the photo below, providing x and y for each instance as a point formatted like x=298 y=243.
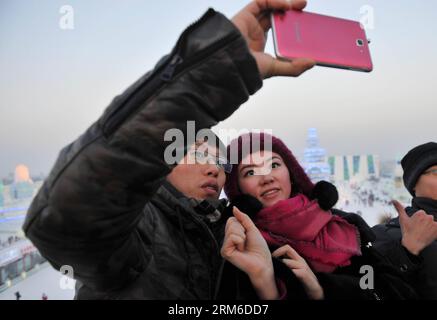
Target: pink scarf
x=324 y=240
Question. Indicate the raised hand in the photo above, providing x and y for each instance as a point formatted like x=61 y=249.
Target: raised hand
x=253 y=21
x=303 y=272
x=418 y=231
x=245 y=247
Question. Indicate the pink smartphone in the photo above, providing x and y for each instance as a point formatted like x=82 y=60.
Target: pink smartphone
x=330 y=41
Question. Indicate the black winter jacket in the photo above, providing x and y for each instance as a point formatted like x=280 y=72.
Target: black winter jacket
x=104 y=210
x=421 y=270
x=389 y=283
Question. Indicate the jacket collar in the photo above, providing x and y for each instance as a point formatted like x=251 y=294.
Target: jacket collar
x=168 y=198
x=426 y=204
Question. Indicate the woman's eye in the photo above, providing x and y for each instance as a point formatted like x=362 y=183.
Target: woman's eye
x=275 y=165
x=249 y=173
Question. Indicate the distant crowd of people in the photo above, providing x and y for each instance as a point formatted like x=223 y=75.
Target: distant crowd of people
x=17 y=295
x=10 y=241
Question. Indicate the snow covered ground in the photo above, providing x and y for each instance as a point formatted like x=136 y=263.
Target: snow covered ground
x=46 y=280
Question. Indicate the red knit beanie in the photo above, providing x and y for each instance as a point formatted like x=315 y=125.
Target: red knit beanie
x=254 y=142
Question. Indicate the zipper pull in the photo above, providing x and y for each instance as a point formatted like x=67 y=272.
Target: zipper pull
x=169 y=70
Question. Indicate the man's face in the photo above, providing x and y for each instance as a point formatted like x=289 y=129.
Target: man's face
x=426 y=186
x=197 y=176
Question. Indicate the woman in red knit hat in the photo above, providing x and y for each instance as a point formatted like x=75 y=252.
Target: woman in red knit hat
x=328 y=251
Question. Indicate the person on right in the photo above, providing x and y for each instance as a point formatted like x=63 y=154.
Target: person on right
x=415 y=230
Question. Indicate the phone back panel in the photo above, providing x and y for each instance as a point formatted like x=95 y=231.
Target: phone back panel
x=328 y=40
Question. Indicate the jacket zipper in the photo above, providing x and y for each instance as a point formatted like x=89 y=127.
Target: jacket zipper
x=208 y=231
x=167 y=75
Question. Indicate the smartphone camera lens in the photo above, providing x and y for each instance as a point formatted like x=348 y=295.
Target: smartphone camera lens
x=360 y=42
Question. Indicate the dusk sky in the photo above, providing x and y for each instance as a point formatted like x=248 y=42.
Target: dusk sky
x=54 y=83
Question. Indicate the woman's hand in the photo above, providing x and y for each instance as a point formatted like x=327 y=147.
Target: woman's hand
x=245 y=247
x=253 y=21
x=303 y=272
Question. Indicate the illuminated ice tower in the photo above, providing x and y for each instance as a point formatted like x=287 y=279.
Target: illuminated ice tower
x=315 y=160
x=23 y=186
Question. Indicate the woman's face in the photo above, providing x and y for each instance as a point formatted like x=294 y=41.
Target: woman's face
x=264 y=176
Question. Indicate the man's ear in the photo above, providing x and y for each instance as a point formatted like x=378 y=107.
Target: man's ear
x=414 y=189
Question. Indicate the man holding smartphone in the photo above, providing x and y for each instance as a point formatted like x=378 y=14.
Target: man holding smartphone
x=113 y=209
